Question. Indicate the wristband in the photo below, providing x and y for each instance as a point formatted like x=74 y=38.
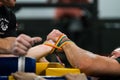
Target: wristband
x=57 y=47
x=54 y=47
x=66 y=42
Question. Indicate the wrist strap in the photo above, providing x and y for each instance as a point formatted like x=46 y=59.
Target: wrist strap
x=57 y=47
x=66 y=42
x=52 y=45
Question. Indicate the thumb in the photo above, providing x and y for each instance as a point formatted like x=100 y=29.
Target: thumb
x=37 y=39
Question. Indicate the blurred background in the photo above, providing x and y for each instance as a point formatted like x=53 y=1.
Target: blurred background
x=92 y=24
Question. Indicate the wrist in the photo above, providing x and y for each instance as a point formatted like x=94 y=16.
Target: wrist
x=51 y=44
x=57 y=46
x=66 y=43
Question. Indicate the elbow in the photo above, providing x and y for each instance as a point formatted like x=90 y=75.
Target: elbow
x=85 y=68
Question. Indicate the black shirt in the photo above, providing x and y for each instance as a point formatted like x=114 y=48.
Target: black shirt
x=7 y=22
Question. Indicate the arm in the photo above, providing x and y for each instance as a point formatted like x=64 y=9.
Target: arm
x=23 y=43
x=90 y=63
x=17 y=45
x=6 y=44
x=87 y=62
x=40 y=51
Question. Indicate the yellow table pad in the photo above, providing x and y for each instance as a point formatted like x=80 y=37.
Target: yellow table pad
x=41 y=67
x=11 y=78
x=61 y=71
x=52 y=69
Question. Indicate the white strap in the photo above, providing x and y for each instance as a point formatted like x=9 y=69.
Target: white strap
x=21 y=63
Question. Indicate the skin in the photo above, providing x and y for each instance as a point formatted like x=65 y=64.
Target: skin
x=23 y=45
x=40 y=51
x=81 y=76
x=6 y=43
x=10 y=3
x=72 y=12
x=17 y=46
x=85 y=60
x=25 y=76
x=79 y=57
x=32 y=76
x=115 y=53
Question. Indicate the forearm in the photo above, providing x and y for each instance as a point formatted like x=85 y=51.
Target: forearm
x=86 y=61
x=6 y=44
x=39 y=51
x=76 y=56
x=90 y=63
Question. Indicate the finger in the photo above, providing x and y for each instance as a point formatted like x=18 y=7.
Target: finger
x=25 y=38
x=36 y=39
x=16 y=76
x=68 y=77
x=21 y=73
x=24 y=42
x=21 y=46
x=19 y=49
x=19 y=52
x=54 y=35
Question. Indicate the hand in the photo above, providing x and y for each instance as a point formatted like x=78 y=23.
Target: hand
x=54 y=35
x=25 y=76
x=23 y=43
x=81 y=76
x=115 y=53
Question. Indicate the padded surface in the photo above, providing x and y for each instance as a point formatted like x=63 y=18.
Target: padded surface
x=9 y=65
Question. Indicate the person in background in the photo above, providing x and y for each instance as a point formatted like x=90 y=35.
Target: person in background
x=12 y=45
x=74 y=21
x=8 y=31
